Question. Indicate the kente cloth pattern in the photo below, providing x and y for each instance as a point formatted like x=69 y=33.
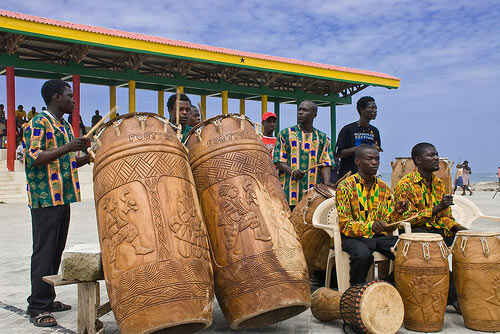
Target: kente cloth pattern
x=421 y=200
x=57 y=182
x=359 y=206
x=301 y=150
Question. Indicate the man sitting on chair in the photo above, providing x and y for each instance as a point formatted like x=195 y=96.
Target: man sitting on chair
x=365 y=209
x=427 y=198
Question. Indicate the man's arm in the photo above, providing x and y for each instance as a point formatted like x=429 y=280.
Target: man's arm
x=45 y=157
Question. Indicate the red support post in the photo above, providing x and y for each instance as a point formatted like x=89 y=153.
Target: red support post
x=76 y=110
x=11 y=118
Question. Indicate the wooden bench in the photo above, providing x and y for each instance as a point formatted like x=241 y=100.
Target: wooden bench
x=89 y=304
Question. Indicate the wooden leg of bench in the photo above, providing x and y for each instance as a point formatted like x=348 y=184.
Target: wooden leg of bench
x=87 y=309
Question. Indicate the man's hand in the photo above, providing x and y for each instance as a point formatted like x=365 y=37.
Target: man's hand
x=401 y=207
x=78 y=144
x=457 y=228
x=297 y=174
x=378 y=227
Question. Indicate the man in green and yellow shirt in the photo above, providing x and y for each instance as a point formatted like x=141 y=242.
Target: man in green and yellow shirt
x=52 y=184
x=303 y=155
x=365 y=209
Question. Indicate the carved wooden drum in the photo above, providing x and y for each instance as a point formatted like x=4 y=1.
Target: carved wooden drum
x=403 y=166
x=325 y=304
x=153 y=239
x=260 y=272
x=476 y=272
x=315 y=242
x=422 y=277
x=375 y=307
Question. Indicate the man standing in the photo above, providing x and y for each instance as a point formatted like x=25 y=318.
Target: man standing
x=3 y=126
x=268 y=126
x=96 y=118
x=357 y=133
x=21 y=114
x=184 y=110
x=365 y=207
x=32 y=113
x=303 y=155
x=427 y=198
x=52 y=177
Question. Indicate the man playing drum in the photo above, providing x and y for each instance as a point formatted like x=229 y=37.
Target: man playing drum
x=365 y=209
x=184 y=111
x=302 y=155
x=427 y=199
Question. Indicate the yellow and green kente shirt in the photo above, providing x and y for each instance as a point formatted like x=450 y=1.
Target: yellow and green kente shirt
x=421 y=201
x=301 y=150
x=358 y=206
x=57 y=182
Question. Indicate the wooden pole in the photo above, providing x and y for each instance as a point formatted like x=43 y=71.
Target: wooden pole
x=161 y=103
x=242 y=106
x=263 y=104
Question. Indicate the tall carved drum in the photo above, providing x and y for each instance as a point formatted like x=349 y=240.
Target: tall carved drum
x=422 y=278
x=403 y=166
x=153 y=239
x=315 y=242
x=476 y=272
x=260 y=272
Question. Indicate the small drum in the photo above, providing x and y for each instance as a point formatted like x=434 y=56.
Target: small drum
x=153 y=239
x=315 y=242
x=422 y=277
x=325 y=304
x=403 y=166
x=476 y=272
x=261 y=274
x=375 y=307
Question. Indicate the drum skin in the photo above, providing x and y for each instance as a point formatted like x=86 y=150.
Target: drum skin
x=476 y=272
x=153 y=239
x=423 y=283
x=403 y=166
x=261 y=275
x=315 y=242
x=325 y=304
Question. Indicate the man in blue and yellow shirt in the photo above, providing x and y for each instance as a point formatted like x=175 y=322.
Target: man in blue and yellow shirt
x=52 y=184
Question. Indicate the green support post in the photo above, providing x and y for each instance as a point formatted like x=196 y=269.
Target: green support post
x=333 y=125
x=277 y=112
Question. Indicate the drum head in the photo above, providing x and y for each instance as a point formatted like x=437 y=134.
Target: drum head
x=382 y=309
x=421 y=236
x=469 y=233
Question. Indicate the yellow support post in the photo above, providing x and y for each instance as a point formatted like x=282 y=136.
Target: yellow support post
x=242 y=106
x=203 y=107
x=224 y=102
x=131 y=97
x=161 y=103
x=112 y=101
x=263 y=104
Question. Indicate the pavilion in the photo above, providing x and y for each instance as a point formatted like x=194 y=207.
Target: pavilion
x=38 y=47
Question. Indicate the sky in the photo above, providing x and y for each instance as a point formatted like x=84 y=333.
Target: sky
x=447 y=54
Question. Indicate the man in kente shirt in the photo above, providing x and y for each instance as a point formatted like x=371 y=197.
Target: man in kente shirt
x=303 y=155
x=365 y=210
x=52 y=177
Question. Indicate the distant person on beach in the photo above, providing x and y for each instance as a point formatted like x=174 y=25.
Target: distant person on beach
x=357 y=133
x=462 y=178
x=96 y=118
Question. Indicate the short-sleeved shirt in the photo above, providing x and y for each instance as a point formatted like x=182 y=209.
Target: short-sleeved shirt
x=269 y=142
x=57 y=182
x=20 y=114
x=353 y=135
x=301 y=150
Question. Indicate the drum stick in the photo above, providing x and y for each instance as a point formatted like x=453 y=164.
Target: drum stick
x=101 y=121
x=177 y=113
x=404 y=220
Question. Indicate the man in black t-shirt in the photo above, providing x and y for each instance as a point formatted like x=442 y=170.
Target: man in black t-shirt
x=96 y=118
x=357 y=133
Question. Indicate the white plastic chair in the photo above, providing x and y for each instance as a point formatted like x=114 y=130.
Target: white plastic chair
x=325 y=217
x=466 y=212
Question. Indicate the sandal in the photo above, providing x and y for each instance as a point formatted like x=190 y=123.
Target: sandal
x=44 y=319
x=59 y=307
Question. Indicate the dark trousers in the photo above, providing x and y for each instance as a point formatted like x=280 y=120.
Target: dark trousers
x=448 y=240
x=50 y=230
x=360 y=252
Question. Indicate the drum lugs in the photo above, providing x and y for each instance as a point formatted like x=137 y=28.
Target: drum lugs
x=153 y=239
x=261 y=275
x=476 y=272
x=325 y=304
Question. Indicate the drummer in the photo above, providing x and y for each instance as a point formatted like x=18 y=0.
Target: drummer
x=365 y=207
x=427 y=198
x=303 y=155
x=184 y=110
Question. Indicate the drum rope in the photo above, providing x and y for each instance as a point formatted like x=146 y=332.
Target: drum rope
x=444 y=249
x=484 y=244
x=406 y=247
x=396 y=244
x=308 y=203
x=426 y=251
x=463 y=244
x=197 y=132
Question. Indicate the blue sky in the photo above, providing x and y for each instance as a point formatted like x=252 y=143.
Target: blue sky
x=447 y=54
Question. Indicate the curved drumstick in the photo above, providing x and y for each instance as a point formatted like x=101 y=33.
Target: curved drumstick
x=404 y=220
x=101 y=121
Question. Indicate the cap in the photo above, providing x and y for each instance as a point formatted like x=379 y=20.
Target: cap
x=267 y=115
